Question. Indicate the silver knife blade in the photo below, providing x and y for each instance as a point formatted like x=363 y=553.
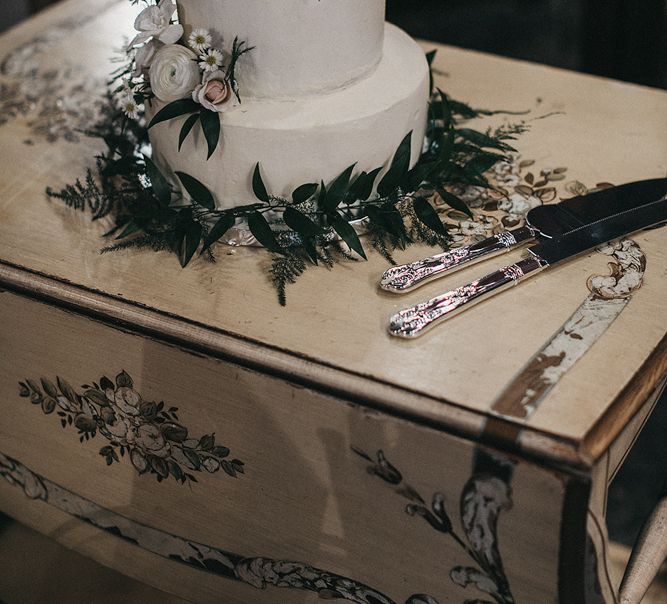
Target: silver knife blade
x=553 y=220
x=412 y=322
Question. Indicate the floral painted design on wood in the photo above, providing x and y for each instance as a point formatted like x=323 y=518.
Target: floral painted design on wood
x=148 y=433
x=483 y=499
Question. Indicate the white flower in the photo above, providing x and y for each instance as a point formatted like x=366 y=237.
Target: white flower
x=200 y=40
x=215 y=92
x=155 y=22
x=210 y=60
x=144 y=57
x=130 y=107
x=174 y=73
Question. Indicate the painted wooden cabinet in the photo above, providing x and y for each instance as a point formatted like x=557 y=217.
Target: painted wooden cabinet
x=183 y=428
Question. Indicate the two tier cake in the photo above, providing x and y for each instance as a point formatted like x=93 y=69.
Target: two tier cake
x=327 y=83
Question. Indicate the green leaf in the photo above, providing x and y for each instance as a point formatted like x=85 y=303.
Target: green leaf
x=454 y=201
x=173 y=110
x=225 y=223
x=348 y=235
x=198 y=191
x=130 y=229
x=299 y=222
x=97 y=397
x=188 y=238
x=258 y=186
x=430 y=56
x=261 y=229
x=210 y=124
x=161 y=186
x=427 y=214
x=399 y=168
x=187 y=128
x=446 y=110
x=304 y=192
x=482 y=140
x=483 y=162
x=337 y=189
x=362 y=187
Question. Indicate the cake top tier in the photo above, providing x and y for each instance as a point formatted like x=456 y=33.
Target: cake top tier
x=301 y=46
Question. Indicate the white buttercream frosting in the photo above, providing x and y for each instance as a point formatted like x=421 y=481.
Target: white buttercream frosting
x=301 y=46
x=309 y=138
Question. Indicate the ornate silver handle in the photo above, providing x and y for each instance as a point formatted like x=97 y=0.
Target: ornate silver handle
x=403 y=278
x=412 y=322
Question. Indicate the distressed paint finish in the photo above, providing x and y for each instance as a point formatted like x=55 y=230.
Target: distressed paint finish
x=609 y=296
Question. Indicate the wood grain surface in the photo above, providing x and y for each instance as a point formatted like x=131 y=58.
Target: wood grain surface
x=603 y=131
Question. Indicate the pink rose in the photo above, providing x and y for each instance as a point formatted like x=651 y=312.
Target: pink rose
x=215 y=93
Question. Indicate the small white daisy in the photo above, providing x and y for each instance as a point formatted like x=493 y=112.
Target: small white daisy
x=211 y=60
x=200 y=40
x=130 y=107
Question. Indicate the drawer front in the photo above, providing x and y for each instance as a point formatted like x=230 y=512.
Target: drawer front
x=213 y=481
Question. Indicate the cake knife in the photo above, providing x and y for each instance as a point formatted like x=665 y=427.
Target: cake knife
x=547 y=221
x=412 y=322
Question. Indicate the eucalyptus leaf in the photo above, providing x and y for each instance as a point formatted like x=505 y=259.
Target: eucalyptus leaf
x=304 y=192
x=455 y=202
x=198 y=191
x=161 y=186
x=187 y=128
x=173 y=110
x=225 y=223
x=399 y=168
x=348 y=234
x=258 y=186
x=427 y=214
x=210 y=123
x=261 y=229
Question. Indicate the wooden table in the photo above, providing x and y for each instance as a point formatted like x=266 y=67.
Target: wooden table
x=498 y=433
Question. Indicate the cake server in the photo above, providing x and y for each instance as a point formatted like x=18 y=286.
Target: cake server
x=414 y=321
x=545 y=221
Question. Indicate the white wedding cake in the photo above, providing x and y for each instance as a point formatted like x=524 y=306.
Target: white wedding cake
x=328 y=83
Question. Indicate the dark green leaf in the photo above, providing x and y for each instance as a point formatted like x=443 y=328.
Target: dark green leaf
x=225 y=223
x=389 y=219
x=130 y=229
x=399 y=168
x=446 y=111
x=321 y=199
x=430 y=56
x=483 y=162
x=210 y=124
x=161 y=187
x=483 y=140
x=348 y=235
x=188 y=238
x=159 y=466
x=198 y=191
x=337 y=189
x=174 y=109
x=455 y=202
x=362 y=187
x=220 y=451
x=97 y=397
x=429 y=216
x=299 y=222
x=187 y=128
x=258 y=186
x=260 y=228
x=193 y=458
x=304 y=192
x=106 y=383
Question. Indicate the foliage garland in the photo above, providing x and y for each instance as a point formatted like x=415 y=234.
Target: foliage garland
x=313 y=226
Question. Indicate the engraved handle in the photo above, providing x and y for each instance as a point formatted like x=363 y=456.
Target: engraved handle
x=403 y=278
x=412 y=322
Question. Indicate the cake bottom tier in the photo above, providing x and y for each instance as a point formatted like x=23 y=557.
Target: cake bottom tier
x=311 y=138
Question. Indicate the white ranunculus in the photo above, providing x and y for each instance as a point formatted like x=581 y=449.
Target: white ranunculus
x=155 y=22
x=174 y=73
